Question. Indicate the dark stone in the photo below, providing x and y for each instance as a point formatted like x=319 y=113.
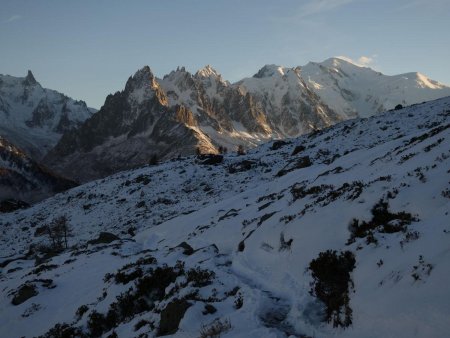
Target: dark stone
x=104 y=238
x=241 y=166
x=209 y=309
x=278 y=144
x=298 y=149
x=24 y=293
x=171 y=316
x=210 y=159
x=187 y=249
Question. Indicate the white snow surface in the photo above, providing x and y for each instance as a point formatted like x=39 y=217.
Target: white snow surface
x=402 y=157
x=351 y=90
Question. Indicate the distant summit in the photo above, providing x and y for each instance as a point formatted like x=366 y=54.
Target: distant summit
x=34 y=118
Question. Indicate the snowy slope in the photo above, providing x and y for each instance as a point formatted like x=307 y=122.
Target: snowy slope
x=252 y=224
x=34 y=118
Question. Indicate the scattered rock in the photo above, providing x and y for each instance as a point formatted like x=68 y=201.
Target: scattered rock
x=24 y=293
x=171 y=316
x=104 y=238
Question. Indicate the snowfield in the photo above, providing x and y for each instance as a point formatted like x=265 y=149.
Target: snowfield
x=228 y=248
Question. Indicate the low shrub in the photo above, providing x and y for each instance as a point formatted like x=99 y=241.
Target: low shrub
x=331 y=282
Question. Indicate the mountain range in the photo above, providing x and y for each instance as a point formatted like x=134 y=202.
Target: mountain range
x=185 y=113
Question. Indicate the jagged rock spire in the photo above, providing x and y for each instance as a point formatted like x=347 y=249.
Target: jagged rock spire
x=29 y=79
x=142 y=78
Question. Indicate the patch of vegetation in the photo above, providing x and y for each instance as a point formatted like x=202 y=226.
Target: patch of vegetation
x=64 y=330
x=200 y=277
x=421 y=270
x=265 y=217
x=124 y=278
x=42 y=268
x=446 y=193
x=382 y=221
x=331 y=282
x=299 y=191
x=285 y=245
x=239 y=302
x=81 y=311
x=409 y=237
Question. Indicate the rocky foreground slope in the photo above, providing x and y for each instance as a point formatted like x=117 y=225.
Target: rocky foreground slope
x=244 y=247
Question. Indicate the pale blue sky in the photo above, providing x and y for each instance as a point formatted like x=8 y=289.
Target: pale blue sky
x=88 y=49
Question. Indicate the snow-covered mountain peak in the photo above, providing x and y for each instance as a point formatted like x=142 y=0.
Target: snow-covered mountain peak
x=424 y=81
x=33 y=117
x=270 y=70
x=207 y=71
x=142 y=78
x=340 y=61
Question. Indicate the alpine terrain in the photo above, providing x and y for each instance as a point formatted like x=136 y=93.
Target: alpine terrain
x=340 y=232
x=34 y=118
x=185 y=113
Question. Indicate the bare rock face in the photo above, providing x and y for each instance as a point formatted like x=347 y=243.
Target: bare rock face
x=216 y=104
x=131 y=127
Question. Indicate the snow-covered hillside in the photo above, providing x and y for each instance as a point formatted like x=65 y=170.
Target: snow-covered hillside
x=236 y=247
x=34 y=118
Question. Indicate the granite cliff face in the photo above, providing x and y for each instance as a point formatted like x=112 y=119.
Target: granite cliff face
x=132 y=126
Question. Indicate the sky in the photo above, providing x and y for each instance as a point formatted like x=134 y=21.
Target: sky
x=88 y=49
